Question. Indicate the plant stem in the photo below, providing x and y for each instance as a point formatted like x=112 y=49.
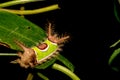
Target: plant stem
x=66 y=71
x=11 y=3
x=30 y=76
x=113 y=45
x=8 y=54
x=36 y=11
x=42 y=76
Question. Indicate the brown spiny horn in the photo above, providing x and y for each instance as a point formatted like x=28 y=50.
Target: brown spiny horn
x=63 y=39
x=49 y=29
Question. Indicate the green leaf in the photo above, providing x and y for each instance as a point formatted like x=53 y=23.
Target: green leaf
x=66 y=71
x=42 y=76
x=116 y=43
x=115 y=69
x=116 y=10
x=16 y=2
x=14 y=27
x=46 y=64
x=30 y=76
x=66 y=62
x=112 y=57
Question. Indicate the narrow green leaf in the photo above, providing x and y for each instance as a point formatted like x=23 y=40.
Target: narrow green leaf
x=46 y=64
x=16 y=2
x=66 y=62
x=116 y=43
x=115 y=10
x=14 y=27
x=42 y=76
x=115 y=69
x=66 y=71
x=112 y=57
x=30 y=76
x=35 y=11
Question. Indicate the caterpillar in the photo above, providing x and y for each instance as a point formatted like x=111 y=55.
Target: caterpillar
x=44 y=51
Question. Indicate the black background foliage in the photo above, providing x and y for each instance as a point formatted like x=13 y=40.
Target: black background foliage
x=92 y=27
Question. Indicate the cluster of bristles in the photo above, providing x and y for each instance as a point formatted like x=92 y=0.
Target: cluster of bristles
x=28 y=57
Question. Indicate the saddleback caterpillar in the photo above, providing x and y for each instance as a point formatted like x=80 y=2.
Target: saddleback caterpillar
x=44 y=51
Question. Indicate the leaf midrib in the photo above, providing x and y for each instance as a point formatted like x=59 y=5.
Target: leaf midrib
x=14 y=32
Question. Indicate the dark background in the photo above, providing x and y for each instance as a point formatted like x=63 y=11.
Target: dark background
x=92 y=27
